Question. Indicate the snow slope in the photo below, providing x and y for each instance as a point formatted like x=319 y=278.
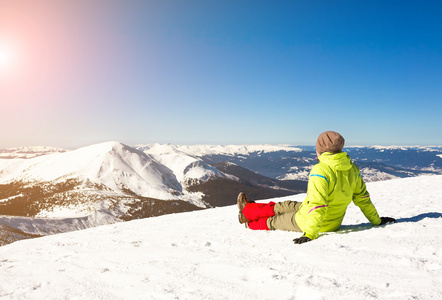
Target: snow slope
x=209 y=255
x=47 y=226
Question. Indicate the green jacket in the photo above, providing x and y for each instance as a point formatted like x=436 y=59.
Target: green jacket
x=333 y=183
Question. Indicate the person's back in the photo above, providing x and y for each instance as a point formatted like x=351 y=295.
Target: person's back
x=334 y=182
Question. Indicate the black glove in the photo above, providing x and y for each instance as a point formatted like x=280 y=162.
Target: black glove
x=385 y=220
x=301 y=240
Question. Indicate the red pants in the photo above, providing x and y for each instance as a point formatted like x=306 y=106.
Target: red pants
x=258 y=213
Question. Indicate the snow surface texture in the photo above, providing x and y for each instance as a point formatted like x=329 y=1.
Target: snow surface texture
x=209 y=255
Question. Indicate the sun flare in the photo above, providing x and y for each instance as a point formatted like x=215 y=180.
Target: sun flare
x=7 y=57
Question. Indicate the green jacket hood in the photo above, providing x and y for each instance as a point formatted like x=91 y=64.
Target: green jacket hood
x=338 y=161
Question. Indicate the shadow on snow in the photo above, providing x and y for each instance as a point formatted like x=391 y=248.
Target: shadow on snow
x=365 y=226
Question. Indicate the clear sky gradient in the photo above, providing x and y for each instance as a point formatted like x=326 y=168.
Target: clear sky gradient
x=79 y=72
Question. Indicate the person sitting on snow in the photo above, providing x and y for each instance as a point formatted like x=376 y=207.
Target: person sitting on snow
x=333 y=183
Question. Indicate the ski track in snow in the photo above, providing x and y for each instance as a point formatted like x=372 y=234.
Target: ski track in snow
x=209 y=255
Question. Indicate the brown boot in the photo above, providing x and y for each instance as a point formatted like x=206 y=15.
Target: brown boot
x=242 y=202
x=242 y=219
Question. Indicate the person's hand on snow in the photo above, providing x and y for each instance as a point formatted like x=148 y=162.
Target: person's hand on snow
x=386 y=220
x=302 y=240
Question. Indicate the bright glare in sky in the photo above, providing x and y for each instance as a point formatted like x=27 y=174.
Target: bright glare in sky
x=7 y=57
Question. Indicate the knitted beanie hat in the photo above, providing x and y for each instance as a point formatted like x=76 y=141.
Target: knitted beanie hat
x=329 y=141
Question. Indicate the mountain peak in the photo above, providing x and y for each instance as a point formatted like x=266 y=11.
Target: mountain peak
x=113 y=164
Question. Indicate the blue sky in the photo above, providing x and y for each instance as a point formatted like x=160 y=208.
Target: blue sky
x=220 y=72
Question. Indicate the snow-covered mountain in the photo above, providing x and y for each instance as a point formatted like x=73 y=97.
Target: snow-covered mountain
x=127 y=182
x=188 y=169
x=209 y=255
x=29 y=152
x=294 y=163
x=110 y=176
x=111 y=164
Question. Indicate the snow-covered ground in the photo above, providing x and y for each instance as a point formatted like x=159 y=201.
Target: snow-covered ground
x=209 y=255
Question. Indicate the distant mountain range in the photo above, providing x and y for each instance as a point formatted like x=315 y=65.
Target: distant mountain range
x=29 y=152
x=124 y=182
x=294 y=163
x=129 y=182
